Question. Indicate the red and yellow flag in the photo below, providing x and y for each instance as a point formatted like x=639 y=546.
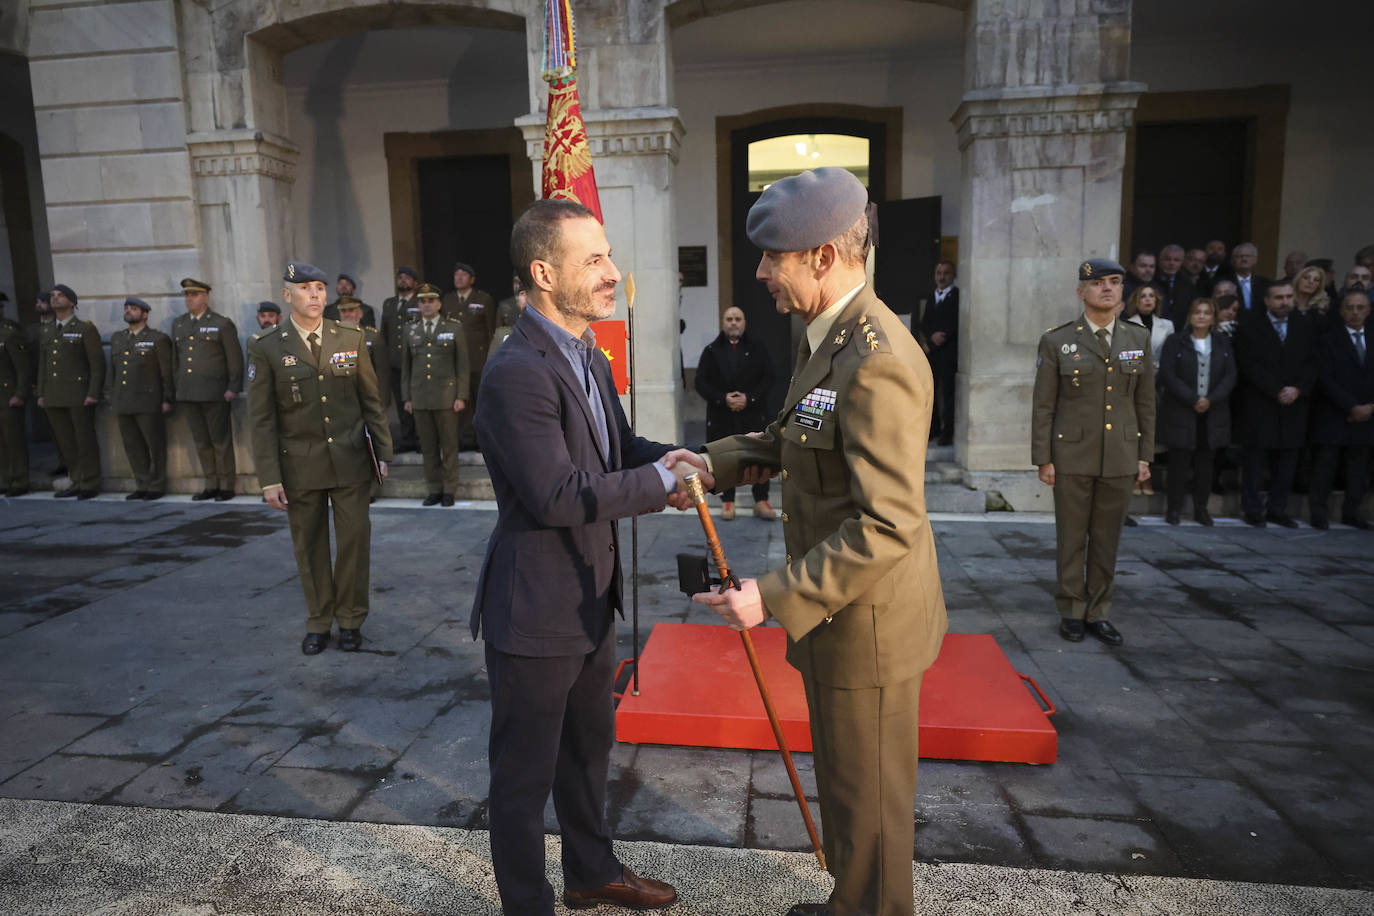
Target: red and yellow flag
x=568 y=172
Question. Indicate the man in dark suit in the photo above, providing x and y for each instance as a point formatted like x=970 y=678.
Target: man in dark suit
x=1179 y=292
x=1341 y=424
x=1213 y=267
x=565 y=465
x=1250 y=286
x=939 y=337
x=734 y=376
x=1277 y=357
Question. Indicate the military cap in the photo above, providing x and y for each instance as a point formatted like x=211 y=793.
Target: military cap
x=1323 y=263
x=195 y=286
x=462 y=265
x=301 y=272
x=1093 y=268
x=807 y=210
x=408 y=271
x=349 y=279
x=428 y=291
x=349 y=302
x=134 y=300
x=65 y=290
x=265 y=306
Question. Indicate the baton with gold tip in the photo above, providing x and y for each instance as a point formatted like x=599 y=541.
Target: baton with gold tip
x=728 y=579
x=634 y=520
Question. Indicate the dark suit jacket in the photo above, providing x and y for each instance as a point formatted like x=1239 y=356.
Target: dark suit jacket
x=1267 y=365
x=1177 y=297
x=721 y=371
x=1343 y=383
x=943 y=317
x=1258 y=286
x=1176 y=421
x=552 y=572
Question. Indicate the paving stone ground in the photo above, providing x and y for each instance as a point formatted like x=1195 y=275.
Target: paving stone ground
x=149 y=657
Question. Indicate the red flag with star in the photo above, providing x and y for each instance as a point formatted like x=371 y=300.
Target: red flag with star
x=567 y=172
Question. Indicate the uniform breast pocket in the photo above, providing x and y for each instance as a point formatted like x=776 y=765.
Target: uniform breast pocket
x=809 y=454
x=1074 y=373
x=1130 y=371
x=344 y=369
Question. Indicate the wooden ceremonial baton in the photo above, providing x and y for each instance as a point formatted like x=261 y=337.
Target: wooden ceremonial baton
x=728 y=579
x=634 y=520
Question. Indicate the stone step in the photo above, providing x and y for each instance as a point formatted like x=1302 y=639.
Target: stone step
x=943 y=472
x=954 y=497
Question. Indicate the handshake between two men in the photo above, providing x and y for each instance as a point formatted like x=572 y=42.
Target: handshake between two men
x=741 y=608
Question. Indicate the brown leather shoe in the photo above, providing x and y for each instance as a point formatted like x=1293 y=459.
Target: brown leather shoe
x=763 y=510
x=630 y=891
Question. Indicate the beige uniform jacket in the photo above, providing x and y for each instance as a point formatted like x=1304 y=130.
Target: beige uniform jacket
x=308 y=419
x=860 y=594
x=209 y=360
x=1093 y=413
x=434 y=369
x=141 y=371
x=73 y=364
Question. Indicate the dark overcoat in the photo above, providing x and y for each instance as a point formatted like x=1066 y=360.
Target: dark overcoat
x=1175 y=419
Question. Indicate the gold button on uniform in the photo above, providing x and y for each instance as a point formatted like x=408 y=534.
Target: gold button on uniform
x=330 y=439
x=1109 y=407
x=784 y=474
x=803 y=437
x=1109 y=426
x=1109 y=387
x=789 y=559
x=784 y=517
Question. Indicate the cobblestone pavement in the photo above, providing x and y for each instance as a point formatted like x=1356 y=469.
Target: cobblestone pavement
x=149 y=657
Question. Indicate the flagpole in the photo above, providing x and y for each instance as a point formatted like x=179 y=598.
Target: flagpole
x=634 y=520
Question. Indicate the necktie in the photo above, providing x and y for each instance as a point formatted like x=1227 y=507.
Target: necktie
x=1106 y=346
x=1359 y=345
x=429 y=329
x=1282 y=328
x=314 y=340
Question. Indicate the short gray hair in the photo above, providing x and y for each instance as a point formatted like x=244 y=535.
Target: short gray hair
x=852 y=245
x=1248 y=246
x=1173 y=246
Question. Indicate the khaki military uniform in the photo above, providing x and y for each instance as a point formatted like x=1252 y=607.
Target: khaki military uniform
x=73 y=369
x=477 y=312
x=860 y=594
x=310 y=420
x=16 y=369
x=140 y=383
x=1093 y=417
x=209 y=362
x=396 y=313
x=434 y=374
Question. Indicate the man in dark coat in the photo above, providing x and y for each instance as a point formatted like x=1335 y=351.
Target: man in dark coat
x=1341 y=424
x=1277 y=356
x=565 y=466
x=939 y=337
x=734 y=376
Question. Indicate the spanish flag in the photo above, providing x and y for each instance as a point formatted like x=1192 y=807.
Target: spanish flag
x=568 y=173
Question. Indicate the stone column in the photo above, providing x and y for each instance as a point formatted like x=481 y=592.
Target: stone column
x=1042 y=128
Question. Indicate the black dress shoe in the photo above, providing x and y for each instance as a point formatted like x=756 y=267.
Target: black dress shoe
x=64 y=494
x=1254 y=521
x=1071 y=629
x=207 y=493
x=447 y=500
x=432 y=499
x=87 y=494
x=1104 y=631
x=350 y=640
x=314 y=643
x=137 y=494
x=811 y=909
x=1203 y=517
x=1280 y=519
x=223 y=495
x=1131 y=522
x=631 y=891
x=1320 y=524
x=1351 y=520
x=153 y=494
x=1171 y=517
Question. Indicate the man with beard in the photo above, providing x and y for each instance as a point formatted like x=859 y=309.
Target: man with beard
x=939 y=337
x=209 y=377
x=735 y=376
x=70 y=380
x=347 y=287
x=1194 y=262
x=565 y=467
x=1214 y=266
x=269 y=315
x=396 y=312
x=1356 y=280
x=1142 y=272
x=141 y=397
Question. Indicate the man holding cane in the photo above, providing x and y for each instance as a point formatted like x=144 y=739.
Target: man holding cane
x=860 y=594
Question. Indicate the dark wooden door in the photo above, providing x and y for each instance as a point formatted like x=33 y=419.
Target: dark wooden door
x=908 y=247
x=465 y=215
x=1190 y=184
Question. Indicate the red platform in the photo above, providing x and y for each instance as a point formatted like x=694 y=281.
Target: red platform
x=696 y=689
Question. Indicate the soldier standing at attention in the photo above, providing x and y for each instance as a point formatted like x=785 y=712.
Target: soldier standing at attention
x=313 y=400
x=15 y=371
x=434 y=382
x=396 y=313
x=141 y=397
x=859 y=594
x=209 y=376
x=351 y=313
x=477 y=311
x=1092 y=437
x=70 y=381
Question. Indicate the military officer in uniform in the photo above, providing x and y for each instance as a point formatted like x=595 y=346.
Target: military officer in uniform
x=859 y=594
x=141 y=397
x=70 y=381
x=269 y=314
x=396 y=313
x=1092 y=438
x=477 y=311
x=209 y=376
x=315 y=410
x=434 y=382
x=351 y=314
x=15 y=373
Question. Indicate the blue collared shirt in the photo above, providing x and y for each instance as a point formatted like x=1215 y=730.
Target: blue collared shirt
x=579 y=352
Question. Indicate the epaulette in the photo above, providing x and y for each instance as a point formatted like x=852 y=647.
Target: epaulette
x=1135 y=320
x=263 y=332
x=1062 y=326
x=868 y=339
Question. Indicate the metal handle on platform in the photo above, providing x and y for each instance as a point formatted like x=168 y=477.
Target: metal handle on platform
x=1030 y=681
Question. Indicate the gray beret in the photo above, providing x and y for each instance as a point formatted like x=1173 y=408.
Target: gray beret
x=1099 y=267
x=301 y=272
x=805 y=211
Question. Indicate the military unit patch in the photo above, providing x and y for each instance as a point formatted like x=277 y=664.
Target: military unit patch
x=444 y=335
x=818 y=403
x=289 y=360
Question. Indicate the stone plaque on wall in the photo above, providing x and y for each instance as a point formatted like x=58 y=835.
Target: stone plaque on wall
x=691 y=262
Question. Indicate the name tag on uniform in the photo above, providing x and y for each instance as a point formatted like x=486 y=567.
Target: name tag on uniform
x=143 y=344
x=1132 y=354
x=445 y=335
x=209 y=330
x=802 y=419
x=342 y=356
